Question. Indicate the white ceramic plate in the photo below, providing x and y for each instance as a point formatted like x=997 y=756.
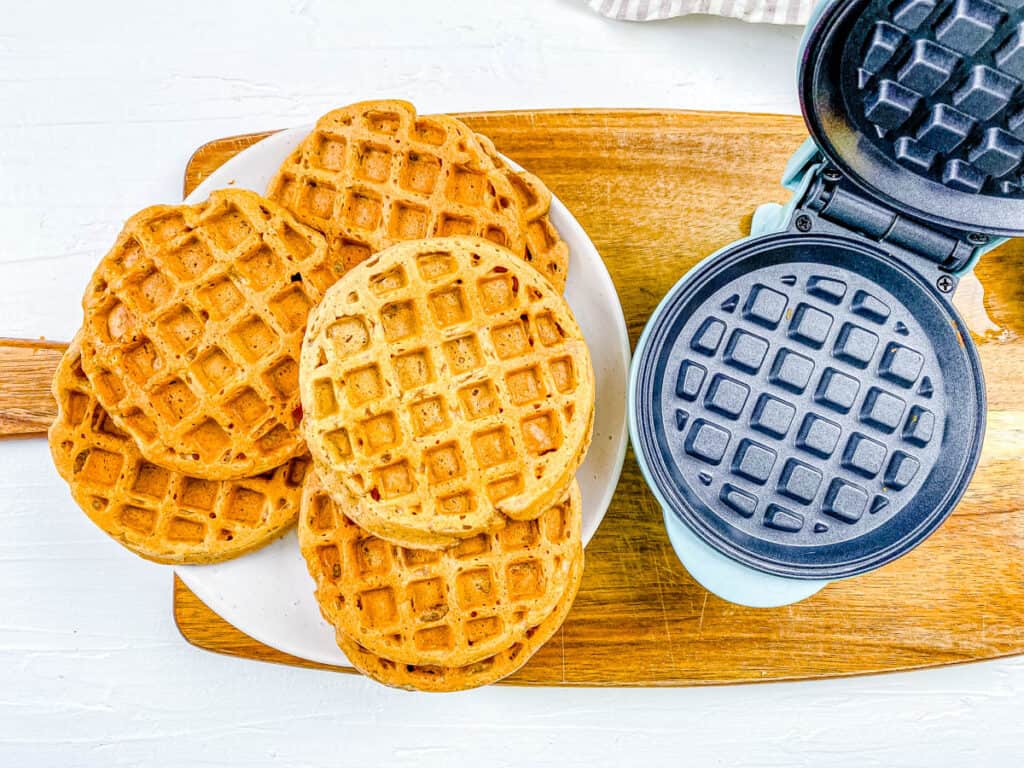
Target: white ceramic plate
x=268 y=595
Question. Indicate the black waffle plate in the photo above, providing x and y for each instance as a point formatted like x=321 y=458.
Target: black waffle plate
x=922 y=102
x=807 y=406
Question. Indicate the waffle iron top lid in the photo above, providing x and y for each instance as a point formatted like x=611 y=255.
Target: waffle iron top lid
x=921 y=104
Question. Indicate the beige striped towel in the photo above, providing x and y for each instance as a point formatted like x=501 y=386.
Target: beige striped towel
x=759 y=11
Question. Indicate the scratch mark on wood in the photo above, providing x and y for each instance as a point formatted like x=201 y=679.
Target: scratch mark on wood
x=700 y=622
x=664 y=614
x=564 y=666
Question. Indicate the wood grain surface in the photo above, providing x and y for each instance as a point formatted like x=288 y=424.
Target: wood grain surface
x=26 y=370
x=657 y=191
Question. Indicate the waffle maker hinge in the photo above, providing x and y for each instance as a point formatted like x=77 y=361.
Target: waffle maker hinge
x=832 y=204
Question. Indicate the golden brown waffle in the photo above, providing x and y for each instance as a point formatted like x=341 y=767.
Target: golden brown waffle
x=159 y=514
x=375 y=173
x=452 y=607
x=545 y=248
x=490 y=670
x=193 y=325
x=445 y=383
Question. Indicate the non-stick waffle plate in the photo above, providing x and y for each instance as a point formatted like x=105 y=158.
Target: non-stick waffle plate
x=808 y=405
x=921 y=102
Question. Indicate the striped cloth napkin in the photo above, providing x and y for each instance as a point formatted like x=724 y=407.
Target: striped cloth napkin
x=758 y=11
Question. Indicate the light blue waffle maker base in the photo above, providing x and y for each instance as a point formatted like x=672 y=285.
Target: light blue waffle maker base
x=713 y=570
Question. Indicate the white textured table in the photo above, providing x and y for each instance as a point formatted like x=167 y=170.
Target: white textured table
x=100 y=105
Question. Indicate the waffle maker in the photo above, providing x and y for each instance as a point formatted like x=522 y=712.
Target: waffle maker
x=806 y=404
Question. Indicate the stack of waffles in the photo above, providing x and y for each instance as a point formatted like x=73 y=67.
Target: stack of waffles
x=378 y=349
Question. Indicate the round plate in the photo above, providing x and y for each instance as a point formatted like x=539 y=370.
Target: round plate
x=268 y=594
x=807 y=407
x=921 y=104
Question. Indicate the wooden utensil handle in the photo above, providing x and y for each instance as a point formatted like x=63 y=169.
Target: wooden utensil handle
x=26 y=370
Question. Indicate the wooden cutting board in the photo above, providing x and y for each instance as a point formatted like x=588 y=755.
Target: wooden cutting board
x=657 y=191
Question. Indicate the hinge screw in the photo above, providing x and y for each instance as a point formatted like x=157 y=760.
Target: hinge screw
x=803 y=223
x=831 y=174
x=977 y=238
x=944 y=283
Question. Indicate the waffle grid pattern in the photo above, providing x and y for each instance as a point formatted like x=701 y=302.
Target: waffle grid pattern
x=159 y=514
x=374 y=173
x=451 y=607
x=805 y=409
x=941 y=89
x=545 y=249
x=194 y=323
x=445 y=384
x=424 y=677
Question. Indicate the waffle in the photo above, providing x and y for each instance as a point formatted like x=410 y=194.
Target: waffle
x=374 y=173
x=159 y=514
x=446 y=384
x=440 y=679
x=193 y=325
x=453 y=607
x=545 y=248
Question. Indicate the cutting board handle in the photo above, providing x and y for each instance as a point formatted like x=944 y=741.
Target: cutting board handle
x=26 y=370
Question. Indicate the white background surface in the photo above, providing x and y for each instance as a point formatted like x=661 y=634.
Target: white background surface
x=100 y=106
